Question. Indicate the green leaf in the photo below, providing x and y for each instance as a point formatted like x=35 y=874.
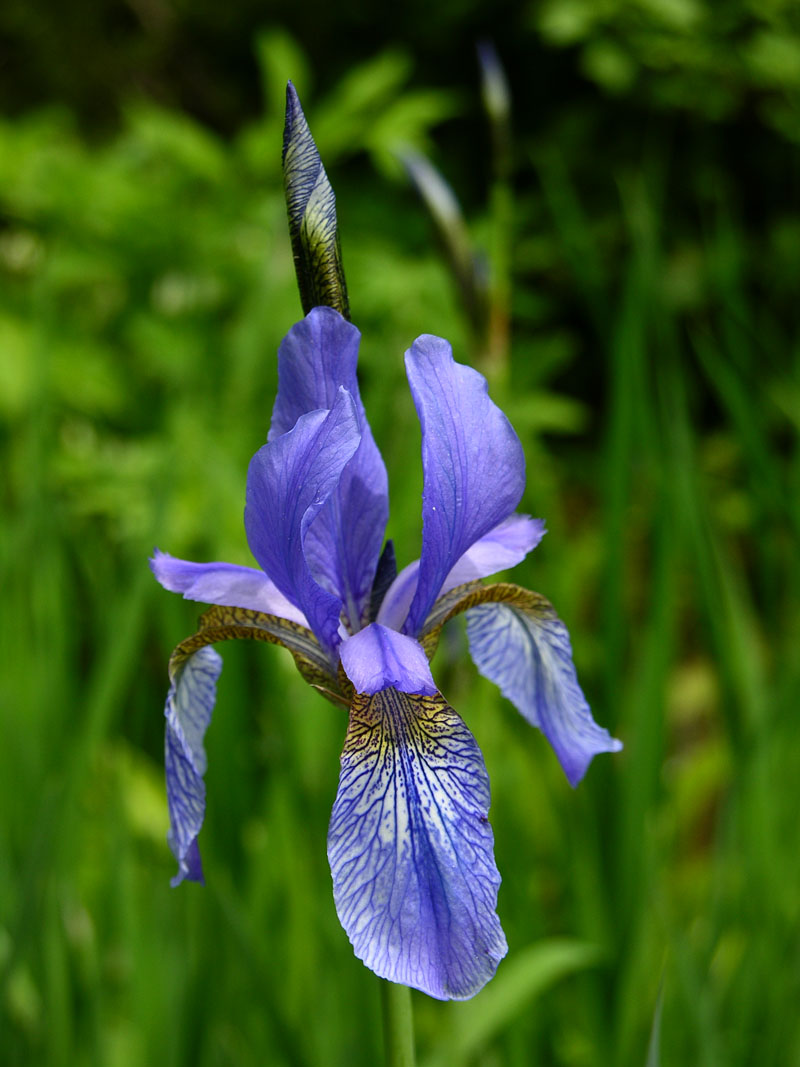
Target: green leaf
x=654 y=1047
x=521 y=979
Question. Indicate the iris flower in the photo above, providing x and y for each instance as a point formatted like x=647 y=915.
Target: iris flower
x=409 y=844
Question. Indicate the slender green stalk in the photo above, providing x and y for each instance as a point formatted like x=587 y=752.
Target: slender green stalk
x=497 y=104
x=398 y=1025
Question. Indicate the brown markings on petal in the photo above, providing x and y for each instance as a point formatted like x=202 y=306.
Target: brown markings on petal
x=221 y=623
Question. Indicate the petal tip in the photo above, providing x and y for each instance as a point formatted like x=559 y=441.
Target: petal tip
x=159 y=565
x=575 y=765
x=190 y=866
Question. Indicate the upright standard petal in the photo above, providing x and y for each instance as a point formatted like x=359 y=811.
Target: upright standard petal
x=225 y=584
x=288 y=483
x=190 y=702
x=411 y=849
x=472 y=460
x=524 y=648
x=316 y=358
x=379 y=658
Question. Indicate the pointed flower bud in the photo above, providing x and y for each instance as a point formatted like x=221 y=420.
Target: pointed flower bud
x=311 y=206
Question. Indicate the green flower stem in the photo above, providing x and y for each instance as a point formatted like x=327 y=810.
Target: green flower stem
x=398 y=1025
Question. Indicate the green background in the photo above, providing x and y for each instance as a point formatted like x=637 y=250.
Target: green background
x=643 y=229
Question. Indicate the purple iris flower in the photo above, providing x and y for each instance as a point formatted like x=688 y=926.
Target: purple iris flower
x=410 y=847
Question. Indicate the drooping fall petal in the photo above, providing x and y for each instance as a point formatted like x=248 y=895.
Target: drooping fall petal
x=190 y=702
x=524 y=648
x=411 y=849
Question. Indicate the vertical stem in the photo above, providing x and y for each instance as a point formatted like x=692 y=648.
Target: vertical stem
x=398 y=1025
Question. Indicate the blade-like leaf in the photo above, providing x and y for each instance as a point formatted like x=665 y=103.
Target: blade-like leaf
x=654 y=1047
x=524 y=977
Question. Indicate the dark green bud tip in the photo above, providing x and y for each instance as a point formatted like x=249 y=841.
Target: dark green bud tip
x=311 y=206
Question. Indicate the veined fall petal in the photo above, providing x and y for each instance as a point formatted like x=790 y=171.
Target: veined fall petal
x=190 y=702
x=194 y=670
x=411 y=849
x=524 y=648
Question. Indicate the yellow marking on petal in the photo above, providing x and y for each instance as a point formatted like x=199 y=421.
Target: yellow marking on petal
x=469 y=595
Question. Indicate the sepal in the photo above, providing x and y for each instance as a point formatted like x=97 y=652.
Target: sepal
x=190 y=703
x=518 y=642
x=194 y=668
x=411 y=849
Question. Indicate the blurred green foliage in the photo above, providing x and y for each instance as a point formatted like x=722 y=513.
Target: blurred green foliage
x=712 y=59
x=650 y=242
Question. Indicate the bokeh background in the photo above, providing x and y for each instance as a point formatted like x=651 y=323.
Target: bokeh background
x=635 y=304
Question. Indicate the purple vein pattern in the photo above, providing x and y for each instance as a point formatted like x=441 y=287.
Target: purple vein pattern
x=411 y=848
x=528 y=655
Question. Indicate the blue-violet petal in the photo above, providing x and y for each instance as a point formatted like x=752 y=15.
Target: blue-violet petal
x=500 y=549
x=288 y=483
x=376 y=658
x=411 y=849
x=223 y=583
x=315 y=359
x=472 y=461
x=529 y=656
x=504 y=546
x=190 y=702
